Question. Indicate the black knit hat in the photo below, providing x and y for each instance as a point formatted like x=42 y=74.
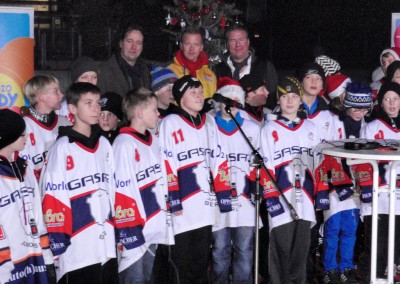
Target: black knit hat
x=82 y=65
x=112 y=102
x=288 y=85
x=311 y=68
x=11 y=127
x=251 y=83
x=182 y=85
x=389 y=86
x=395 y=65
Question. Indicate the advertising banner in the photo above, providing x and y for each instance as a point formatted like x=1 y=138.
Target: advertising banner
x=16 y=54
x=395 y=34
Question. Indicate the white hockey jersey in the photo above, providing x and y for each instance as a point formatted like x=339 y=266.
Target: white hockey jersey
x=379 y=129
x=78 y=188
x=290 y=158
x=241 y=175
x=24 y=243
x=40 y=138
x=323 y=121
x=140 y=177
x=191 y=153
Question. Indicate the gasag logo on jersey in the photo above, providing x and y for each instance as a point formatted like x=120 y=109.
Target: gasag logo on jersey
x=196 y=152
x=16 y=195
x=39 y=158
x=141 y=175
x=237 y=157
x=78 y=183
x=292 y=151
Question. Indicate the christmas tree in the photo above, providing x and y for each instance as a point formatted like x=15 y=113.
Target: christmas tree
x=213 y=16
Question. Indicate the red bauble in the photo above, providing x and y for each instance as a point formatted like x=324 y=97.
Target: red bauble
x=174 y=21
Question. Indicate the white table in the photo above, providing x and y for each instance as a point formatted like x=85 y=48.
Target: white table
x=353 y=157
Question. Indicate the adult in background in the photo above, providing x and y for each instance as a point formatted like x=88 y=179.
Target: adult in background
x=126 y=70
x=240 y=61
x=191 y=60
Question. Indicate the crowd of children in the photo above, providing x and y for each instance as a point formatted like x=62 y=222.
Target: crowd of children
x=147 y=187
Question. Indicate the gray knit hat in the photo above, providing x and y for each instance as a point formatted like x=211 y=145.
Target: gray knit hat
x=82 y=65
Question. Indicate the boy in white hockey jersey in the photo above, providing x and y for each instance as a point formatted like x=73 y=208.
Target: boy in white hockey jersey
x=287 y=145
x=140 y=178
x=78 y=187
x=235 y=229
x=42 y=123
x=24 y=243
x=197 y=179
x=336 y=192
x=386 y=125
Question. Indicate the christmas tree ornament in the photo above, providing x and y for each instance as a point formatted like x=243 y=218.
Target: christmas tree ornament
x=183 y=23
x=183 y=7
x=214 y=16
x=174 y=21
x=237 y=22
x=168 y=19
x=223 y=22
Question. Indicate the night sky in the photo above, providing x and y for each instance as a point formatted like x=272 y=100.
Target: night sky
x=352 y=31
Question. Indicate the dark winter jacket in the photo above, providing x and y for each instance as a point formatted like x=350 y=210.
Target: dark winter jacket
x=116 y=76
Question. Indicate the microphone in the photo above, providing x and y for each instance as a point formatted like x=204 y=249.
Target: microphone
x=227 y=101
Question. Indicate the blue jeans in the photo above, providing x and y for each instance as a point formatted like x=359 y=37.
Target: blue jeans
x=241 y=239
x=139 y=272
x=340 y=232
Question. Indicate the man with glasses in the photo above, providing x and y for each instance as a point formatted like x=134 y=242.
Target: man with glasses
x=192 y=60
x=240 y=61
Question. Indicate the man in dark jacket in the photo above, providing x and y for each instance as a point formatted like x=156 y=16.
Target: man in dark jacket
x=126 y=70
x=240 y=61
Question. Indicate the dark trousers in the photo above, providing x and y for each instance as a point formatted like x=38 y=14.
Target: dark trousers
x=93 y=274
x=191 y=256
x=288 y=250
x=89 y=274
x=382 y=249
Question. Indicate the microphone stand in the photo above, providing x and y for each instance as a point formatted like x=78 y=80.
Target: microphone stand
x=258 y=163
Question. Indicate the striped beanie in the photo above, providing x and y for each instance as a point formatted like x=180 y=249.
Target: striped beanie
x=161 y=77
x=358 y=96
x=329 y=65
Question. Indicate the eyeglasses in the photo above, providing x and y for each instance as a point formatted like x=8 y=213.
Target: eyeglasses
x=360 y=110
x=391 y=99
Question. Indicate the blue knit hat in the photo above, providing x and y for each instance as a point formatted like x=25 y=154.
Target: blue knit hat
x=161 y=77
x=358 y=96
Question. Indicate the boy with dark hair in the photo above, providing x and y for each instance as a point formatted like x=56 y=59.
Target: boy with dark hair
x=78 y=188
x=42 y=123
x=386 y=125
x=312 y=78
x=198 y=184
x=289 y=239
x=234 y=233
x=139 y=177
x=110 y=115
x=24 y=243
